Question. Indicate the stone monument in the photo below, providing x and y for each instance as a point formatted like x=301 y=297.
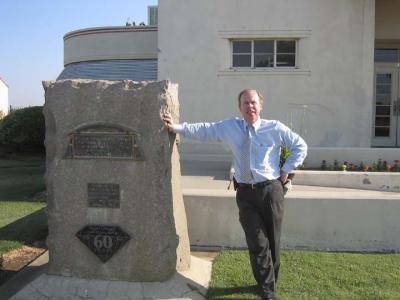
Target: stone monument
x=117 y=222
x=115 y=207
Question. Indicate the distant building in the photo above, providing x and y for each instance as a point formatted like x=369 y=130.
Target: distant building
x=112 y=53
x=4 y=105
x=329 y=69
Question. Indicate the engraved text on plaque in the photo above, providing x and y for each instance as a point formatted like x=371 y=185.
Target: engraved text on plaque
x=103 y=195
x=103 y=142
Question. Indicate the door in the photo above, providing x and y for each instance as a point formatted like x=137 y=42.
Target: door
x=386 y=125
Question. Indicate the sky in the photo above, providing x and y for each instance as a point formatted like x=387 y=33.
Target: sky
x=31 y=38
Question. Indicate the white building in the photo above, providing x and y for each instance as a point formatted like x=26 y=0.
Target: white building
x=113 y=53
x=329 y=69
x=4 y=106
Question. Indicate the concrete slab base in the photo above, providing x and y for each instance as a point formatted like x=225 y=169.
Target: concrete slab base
x=188 y=285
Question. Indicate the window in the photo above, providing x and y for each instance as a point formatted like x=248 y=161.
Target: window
x=263 y=53
x=383 y=96
x=387 y=55
x=152 y=15
x=242 y=53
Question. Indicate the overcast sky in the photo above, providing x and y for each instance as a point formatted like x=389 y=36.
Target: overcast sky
x=31 y=38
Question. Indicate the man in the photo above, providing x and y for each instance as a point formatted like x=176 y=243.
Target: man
x=255 y=144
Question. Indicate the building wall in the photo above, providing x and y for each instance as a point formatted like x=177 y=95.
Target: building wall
x=105 y=43
x=4 y=106
x=328 y=99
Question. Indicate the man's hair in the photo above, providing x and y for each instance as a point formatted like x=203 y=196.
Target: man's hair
x=248 y=90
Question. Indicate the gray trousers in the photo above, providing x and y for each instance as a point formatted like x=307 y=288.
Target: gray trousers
x=260 y=214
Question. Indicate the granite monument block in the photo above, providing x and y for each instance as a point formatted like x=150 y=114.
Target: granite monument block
x=115 y=207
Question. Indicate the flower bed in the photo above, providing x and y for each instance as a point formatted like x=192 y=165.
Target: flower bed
x=377 y=181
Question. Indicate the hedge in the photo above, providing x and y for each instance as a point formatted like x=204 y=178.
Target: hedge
x=23 y=130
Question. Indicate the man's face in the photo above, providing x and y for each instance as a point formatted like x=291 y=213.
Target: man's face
x=250 y=106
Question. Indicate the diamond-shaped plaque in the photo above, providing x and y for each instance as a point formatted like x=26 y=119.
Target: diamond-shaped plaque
x=103 y=240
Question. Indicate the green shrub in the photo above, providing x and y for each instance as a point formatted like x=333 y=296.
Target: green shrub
x=284 y=155
x=23 y=130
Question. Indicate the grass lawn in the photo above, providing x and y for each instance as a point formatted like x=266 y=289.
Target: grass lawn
x=21 y=221
x=21 y=178
x=311 y=275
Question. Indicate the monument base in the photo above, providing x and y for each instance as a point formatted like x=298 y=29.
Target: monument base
x=191 y=284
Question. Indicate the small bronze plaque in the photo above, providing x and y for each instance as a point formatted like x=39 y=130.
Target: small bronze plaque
x=103 y=240
x=103 y=195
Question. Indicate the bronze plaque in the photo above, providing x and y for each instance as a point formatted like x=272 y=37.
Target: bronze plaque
x=103 y=145
x=103 y=142
x=104 y=241
x=103 y=195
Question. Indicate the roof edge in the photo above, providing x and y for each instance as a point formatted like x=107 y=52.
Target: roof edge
x=1 y=79
x=107 y=29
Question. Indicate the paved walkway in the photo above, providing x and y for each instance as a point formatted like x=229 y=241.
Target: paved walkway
x=204 y=185
x=33 y=283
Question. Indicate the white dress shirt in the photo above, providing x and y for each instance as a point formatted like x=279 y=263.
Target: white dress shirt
x=266 y=138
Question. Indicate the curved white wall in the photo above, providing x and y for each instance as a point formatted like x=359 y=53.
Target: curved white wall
x=104 y=43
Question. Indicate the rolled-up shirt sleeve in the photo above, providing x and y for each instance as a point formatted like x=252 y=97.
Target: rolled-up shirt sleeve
x=296 y=146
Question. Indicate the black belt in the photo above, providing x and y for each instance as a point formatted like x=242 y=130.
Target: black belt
x=254 y=185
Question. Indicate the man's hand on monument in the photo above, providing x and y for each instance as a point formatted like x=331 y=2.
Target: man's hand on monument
x=168 y=121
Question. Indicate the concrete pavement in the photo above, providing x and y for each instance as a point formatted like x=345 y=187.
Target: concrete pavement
x=33 y=282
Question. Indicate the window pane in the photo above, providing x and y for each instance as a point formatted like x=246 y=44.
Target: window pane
x=386 y=55
x=383 y=89
x=285 y=47
x=263 y=61
x=382 y=121
x=383 y=110
x=383 y=99
x=382 y=131
x=285 y=60
x=384 y=78
x=241 y=46
x=241 y=60
x=263 y=46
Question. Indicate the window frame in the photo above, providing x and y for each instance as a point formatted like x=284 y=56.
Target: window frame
x=275 y=40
